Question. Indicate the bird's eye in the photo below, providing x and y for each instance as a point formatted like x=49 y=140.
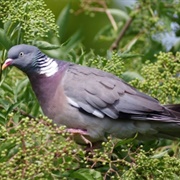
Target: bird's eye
x=21 y=54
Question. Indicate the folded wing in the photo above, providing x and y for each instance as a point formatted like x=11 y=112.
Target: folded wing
x=102 y=94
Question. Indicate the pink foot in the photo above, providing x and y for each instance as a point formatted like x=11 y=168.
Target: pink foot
x=81 y=133
x=77 y=131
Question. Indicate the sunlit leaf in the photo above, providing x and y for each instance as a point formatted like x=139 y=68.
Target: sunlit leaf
x=45 y=45
x=120 y=14
x=62 y=20
x=130 y=75
x=87 y=174
x=73 y=42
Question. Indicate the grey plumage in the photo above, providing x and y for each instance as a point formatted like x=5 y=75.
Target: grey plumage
x=92 y=100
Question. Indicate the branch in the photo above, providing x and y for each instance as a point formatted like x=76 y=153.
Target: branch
x=111 y=19
x=115 y=44
x=23 y=113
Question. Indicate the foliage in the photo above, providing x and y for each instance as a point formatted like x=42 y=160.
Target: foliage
x=31 y=147
x=140 y=29
x=16 y=95
x=152 y=166
x=35 y=149
x=27 y=20
x=113 y=65
x=161 y=79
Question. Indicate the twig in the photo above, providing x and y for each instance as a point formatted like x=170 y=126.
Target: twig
x=111 y=19
x=109 y=15
x=115 y=44
x=90 y=7
x=23 y=113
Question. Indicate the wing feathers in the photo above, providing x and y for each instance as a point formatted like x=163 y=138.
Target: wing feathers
x=100 y=93
x=95 y=101
x=111 y=112
x=134 y=104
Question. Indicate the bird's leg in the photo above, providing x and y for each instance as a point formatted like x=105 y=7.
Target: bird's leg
x=77 y=131
x=82 y=133
x=86 y=141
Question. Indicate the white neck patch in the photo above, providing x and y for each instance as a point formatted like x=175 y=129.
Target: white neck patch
x=48 y=67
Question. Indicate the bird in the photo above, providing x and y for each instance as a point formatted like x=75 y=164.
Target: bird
x=90 y=102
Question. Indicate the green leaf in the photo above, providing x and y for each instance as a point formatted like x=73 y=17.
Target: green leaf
x=45 y=45
x=73 y=41
x=13 y=106
x=7 y=26
x=120 y=14
x=62 y=20
x=86 y=174
x=125 y=141
x=9 y=146
x=4 y=39
x=7 y=88
x=106 y=33
x=160 y=155
x=35 y=109
x=21 y=85
x=130 y=75
x=4 y=104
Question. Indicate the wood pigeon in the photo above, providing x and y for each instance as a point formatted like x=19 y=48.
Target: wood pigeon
x=90 y=102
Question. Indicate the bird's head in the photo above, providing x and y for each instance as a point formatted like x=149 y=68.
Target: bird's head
x=24 y=57
x=30 y=59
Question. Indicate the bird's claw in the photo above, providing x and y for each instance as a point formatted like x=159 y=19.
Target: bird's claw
x=82 y=134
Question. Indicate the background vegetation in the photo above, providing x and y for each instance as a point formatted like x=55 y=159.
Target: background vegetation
x=138 y=42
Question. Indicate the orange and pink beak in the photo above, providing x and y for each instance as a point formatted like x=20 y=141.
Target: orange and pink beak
x=6 y=63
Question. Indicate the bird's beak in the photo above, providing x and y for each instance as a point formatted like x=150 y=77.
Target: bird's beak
x=6 y=63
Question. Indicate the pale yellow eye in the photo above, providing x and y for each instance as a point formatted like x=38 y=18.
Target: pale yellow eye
x=21 y=54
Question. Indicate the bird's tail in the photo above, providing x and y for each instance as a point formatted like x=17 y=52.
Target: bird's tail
x=171 y=130
x=174 y=109
x=166 y=125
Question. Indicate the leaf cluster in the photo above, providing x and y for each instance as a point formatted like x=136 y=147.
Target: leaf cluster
x=114 y=64
x=161 y=78
x=16 y=95
x=33 y=148
x=26 y=21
